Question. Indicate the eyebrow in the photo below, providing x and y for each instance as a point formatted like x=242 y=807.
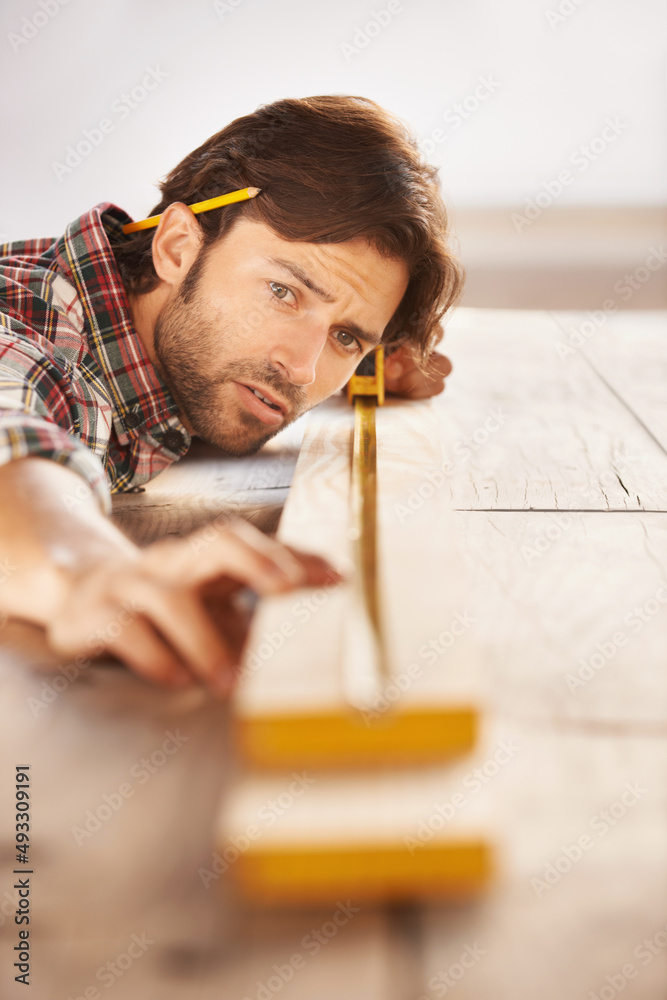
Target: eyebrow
x=373 y=339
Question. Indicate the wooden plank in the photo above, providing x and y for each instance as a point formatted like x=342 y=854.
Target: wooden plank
x=570 y=613
x=297 y=652
x=297 y=665
x=537 y=615
x=525 y=429
x=207 y=469
x=629 y=350
x=103 y=868
x=145 y=519
x=327 y=737
x=98 y=732
x=566 y=914
x=248 y=955
x=209 y=485
x=313 y=835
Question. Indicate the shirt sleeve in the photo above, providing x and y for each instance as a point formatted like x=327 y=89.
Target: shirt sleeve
x=38 y=415
x=23 y=434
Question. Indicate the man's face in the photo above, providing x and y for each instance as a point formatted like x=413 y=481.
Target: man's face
x=290 y=321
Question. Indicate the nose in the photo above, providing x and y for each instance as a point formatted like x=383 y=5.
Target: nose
x=298 y=350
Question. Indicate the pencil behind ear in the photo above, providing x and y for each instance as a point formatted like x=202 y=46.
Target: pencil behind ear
x=200 y=206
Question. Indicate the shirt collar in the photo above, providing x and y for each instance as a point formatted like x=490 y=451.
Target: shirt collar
x=139 y=395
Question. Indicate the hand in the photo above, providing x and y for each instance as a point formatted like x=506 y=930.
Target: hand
x=403 y=377
x=168 y=611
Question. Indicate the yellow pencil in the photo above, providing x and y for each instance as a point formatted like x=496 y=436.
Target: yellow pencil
x=201 y=206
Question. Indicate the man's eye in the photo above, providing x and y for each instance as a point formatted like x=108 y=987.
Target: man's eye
x=280 y=291
x=349 y=341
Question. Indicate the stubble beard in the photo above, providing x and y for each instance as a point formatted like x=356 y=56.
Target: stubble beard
x=185 y=363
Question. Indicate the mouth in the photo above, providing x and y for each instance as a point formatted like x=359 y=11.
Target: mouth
x=261 y=403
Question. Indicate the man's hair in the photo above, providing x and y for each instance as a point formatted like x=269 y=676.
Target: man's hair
x=331 y=169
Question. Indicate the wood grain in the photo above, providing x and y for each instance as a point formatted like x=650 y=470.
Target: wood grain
x=583 y=436
x=628 y=351
x=566 y=441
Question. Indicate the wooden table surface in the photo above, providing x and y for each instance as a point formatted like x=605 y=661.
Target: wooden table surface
x=556 y=427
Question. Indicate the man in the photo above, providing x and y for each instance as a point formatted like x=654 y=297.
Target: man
x=116 y=349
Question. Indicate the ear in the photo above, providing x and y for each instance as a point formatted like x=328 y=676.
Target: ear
x=176 y=243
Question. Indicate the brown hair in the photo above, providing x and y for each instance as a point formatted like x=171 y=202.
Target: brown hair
x=331 y=169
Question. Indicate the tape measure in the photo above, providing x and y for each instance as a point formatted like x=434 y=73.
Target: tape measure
x=366 y=391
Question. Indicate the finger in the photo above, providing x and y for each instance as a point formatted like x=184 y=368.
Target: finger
x=239 y=550
x=232 y=620
x=99 y=632
x=319 y=572
x=181 y=618
x=418 y=385
x=398 y=364
x=397 y=382
x=311 y=569
x=440 y=363
x=401 y=364
x=87 y=625
x=149 y=656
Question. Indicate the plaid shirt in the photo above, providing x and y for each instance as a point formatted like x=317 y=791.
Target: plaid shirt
x=76 y=383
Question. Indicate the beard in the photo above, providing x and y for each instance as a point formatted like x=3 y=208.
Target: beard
x=187 y=346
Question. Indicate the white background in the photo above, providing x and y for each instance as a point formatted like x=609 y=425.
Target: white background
x=554 y=86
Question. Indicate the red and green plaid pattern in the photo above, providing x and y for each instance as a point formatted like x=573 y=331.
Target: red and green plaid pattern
x=76 y=383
